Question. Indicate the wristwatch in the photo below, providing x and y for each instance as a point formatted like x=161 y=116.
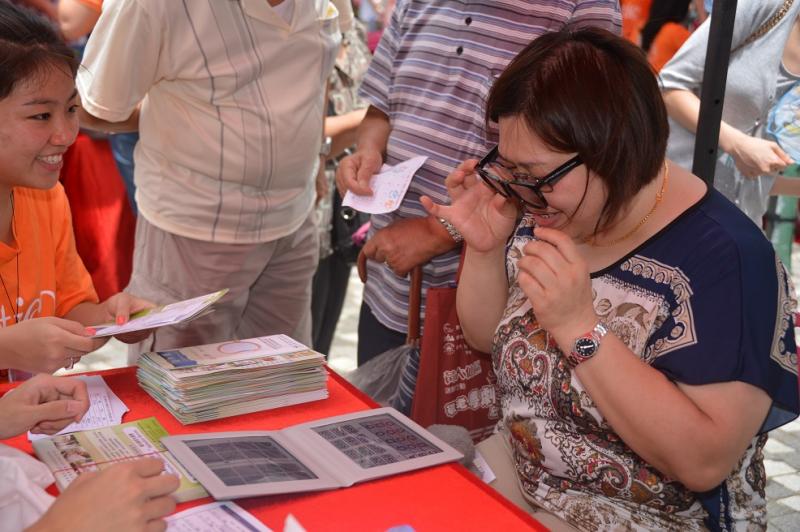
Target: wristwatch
x=325 y=147
x=586 y=346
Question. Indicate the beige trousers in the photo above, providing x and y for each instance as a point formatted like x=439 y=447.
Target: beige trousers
x=269 y=283
x=496 y=452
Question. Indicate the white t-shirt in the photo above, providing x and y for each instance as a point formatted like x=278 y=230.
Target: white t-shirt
x=285 y=9
x=232 y=108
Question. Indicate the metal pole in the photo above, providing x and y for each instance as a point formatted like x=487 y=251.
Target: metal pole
x=712 y=94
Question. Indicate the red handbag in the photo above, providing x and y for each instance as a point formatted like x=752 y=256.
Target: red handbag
x=456 y=384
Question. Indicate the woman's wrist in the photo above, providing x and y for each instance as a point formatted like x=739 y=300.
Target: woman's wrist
x=729 y=138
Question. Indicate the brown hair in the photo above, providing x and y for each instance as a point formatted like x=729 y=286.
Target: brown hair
x=591 y=92
x=29 y=46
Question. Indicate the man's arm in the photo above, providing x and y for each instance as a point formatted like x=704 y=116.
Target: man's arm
x=76 y=19
x=92 y=123
x=356 y=170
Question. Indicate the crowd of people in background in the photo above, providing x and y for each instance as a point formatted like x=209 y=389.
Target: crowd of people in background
x=640 y=324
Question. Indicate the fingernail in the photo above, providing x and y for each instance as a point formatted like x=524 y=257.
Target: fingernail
x=120 y=320
x=73 y=407
x=91 y=331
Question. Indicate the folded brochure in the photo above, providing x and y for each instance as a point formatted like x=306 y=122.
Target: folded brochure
x=324 y=454
x=153 y=318
x=70 y=455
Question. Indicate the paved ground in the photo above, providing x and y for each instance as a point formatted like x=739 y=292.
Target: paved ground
x=782 y=454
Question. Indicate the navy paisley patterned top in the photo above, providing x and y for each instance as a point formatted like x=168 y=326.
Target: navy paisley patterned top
x=705 y=300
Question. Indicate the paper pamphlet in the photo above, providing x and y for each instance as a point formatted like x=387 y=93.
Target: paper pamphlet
x=389 y=186
x=160 y=316
x=329 y=453
x=215 y=517
x=70 y=455
x=105 y=409
x=229 y=378
x=233 y=351
x=486 y=473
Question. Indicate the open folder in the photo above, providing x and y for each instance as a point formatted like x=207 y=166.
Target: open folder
x=153 y=318
x=334 y=452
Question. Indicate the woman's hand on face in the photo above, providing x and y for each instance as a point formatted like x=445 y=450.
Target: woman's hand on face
x=754 y=157
x=44 y=345
x=484 y=218
x=556 y=279
x=44 y=404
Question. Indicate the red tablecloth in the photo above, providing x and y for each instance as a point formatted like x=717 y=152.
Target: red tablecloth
x=446 y=497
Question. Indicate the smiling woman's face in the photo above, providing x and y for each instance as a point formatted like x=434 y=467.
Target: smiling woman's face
x=576 y=200
x=38 y=122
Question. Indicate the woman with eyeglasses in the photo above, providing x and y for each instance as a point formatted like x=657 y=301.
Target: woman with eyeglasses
x=640 y=325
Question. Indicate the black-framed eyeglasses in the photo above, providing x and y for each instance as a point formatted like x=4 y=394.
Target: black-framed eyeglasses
x=525 y=188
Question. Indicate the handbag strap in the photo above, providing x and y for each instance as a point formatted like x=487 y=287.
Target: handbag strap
x=770 y=23
x=414 y=297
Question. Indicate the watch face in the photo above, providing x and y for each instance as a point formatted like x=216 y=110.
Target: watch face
x=585 y=347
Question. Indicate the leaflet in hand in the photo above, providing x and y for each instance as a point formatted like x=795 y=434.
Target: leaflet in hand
x=160 y=316
x=389 y=186
x=105 y=409
x=71 y=455
x=329 y=453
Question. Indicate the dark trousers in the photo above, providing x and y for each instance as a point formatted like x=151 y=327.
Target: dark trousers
x=327 y=299
x=374 y=337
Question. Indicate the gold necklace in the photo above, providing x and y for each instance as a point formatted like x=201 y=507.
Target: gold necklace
x=659 y=197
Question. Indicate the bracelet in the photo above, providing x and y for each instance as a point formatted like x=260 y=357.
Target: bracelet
x=451 y=230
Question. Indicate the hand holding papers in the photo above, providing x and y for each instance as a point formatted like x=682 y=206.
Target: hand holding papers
x=160 y=316
x=71 y=455
x=105 y=409
x=388 y=188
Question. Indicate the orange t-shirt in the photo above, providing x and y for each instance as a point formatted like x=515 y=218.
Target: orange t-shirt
x=94 y=5
x=634 y=16
x=666 y=43
x=50 y=278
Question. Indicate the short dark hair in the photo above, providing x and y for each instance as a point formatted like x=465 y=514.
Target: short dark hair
x=591 y=92
x=29 y=46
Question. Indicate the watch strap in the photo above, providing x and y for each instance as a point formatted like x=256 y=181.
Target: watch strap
x=586 y=346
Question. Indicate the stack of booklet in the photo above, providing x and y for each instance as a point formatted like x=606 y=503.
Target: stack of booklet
x=219 y=380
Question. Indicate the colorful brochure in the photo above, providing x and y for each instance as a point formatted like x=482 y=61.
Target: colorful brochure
x=70 y=455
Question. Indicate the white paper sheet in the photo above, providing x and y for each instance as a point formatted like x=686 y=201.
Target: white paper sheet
x=215 y=517
x=479 y=463
x=291 y=524
x=105 y=408
x=159 y=317
x=388 y=188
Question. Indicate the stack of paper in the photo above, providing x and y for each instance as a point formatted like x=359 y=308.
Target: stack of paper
x=230 y=378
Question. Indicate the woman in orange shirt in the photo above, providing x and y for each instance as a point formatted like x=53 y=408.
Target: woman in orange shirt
x=46 y=293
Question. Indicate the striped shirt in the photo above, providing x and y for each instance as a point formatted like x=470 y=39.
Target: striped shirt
x=431 y=74
x=232 y=107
